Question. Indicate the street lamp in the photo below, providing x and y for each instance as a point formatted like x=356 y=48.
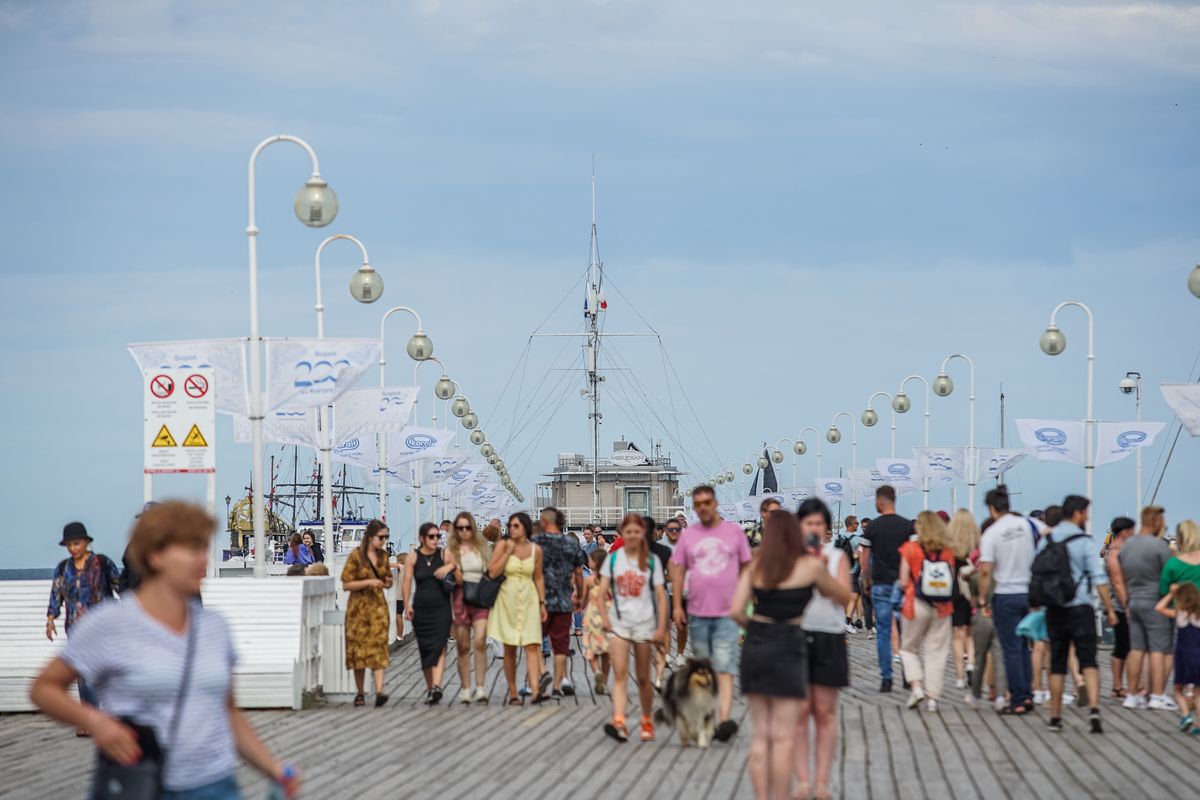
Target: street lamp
x=420 y=343
x=1132 y=384
x=942 y=387
x=316 y=206
x=368 y=290
x=870 y=417
x=1053 y=343
x=901 y=404
x=833 y=436
x=1194 y=281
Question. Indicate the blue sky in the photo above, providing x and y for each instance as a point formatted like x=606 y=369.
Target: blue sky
x=808 y=201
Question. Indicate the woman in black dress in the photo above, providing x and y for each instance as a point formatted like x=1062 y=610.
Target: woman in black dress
x=429 y=606
x=780 y=581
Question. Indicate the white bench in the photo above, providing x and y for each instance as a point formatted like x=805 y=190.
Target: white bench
x=24 y=648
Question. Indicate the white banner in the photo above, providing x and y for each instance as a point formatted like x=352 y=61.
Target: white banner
x=226 y=357
x=1184 y=400
x=313 y=372
x=415 y=443
x=942 y=465
x=1053 y=440
x=1119 y=439
x=380 y=410
x=995 y=461
x=460 y=479
x=358 y=451
x=436 y=471
x=900 y=473
x=282 y=427
x=835 y=490
x=747 y=508
x=793 y=496
x=729 y=511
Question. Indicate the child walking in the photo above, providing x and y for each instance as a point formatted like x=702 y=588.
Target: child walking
x=1186 y=613
x=636 y=619
x=595 y=642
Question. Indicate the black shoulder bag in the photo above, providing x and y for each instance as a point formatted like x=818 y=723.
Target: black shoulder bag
x=144 y=780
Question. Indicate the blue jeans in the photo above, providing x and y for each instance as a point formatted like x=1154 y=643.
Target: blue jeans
x=1007 y=611
x=224 y=789
x=881 y=600
x=715 y=638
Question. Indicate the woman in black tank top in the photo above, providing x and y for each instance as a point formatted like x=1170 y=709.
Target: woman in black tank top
x=774 y=667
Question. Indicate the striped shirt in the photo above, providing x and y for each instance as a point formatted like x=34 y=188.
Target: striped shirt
x=134 y=664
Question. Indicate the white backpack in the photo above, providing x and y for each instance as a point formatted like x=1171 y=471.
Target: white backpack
x=937 y=580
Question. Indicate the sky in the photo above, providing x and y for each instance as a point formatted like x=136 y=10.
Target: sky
x=807 y=202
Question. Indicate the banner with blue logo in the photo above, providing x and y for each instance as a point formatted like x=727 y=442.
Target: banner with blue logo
x=282 y=427
x=1052 y=439
x=835 y=490
x=358 y=451
x=379 y=410
x=415 y=443
x=463 y=478
x=793 y=496
x=995 y=461
x=313 y=372
x=899 y=473
x=1183 y=398
x=942 y=465
x=1118 y=439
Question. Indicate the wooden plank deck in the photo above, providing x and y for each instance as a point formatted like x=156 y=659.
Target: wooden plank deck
x=557 y=750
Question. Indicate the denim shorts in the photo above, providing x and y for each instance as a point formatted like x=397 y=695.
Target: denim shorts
x=224 y=789
x=715 y=638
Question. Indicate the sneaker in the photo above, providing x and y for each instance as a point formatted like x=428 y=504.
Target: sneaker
x=1094 y=719
x=524 y=691
x=647 y=730
x=1081 y=700
x=480 y=696
x=931 y=706
x=969 y=700
x=568 y=688
x=616 y=729
x=1187 y=723
x=885 y=686
x=896 y=659
x=726 y=731
x=1000 y=704
x=435 y=695
x=1055 y=725
x=1135 y=701
x=870 y=633
x=1040 y=697
x=464 y=696
x=598 y=683
x=916 y=697
x=1068 y=699
x=960 y=684
x=858 y=623
x=850 y=628
x=1160 y=702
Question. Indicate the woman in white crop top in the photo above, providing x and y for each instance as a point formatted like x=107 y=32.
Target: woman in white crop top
x=471 y=554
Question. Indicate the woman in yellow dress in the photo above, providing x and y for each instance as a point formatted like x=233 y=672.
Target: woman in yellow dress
x=520 y=609
x=365 y=576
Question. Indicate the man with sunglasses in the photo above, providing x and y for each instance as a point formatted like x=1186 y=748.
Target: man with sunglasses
x=673 y=529
x=562 y=566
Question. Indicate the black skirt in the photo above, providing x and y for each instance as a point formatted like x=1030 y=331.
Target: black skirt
x=962 y=611
x=774 y=660
x=828 y=661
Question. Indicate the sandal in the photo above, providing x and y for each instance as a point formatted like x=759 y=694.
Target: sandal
x=1015 y=711
x=380 y=699
x=616 y=729
x=1118 y=693
x=360 y=700
x=514 y=701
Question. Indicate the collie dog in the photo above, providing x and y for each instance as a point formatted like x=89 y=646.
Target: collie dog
x=689 y=702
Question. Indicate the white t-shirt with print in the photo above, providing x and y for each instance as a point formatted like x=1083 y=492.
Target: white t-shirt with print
x=632 y=589
x=1008 y=544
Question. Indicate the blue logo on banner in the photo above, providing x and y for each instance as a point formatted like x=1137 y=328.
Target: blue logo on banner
x=944 y=463
x=833 y=487
x=306 y=373
x=1130 y=438
x=419 y=441
x=351 y=444
x=902 y=470
x=1051 y=436
x=460 y=475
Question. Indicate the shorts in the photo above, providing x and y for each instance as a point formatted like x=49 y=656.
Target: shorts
x=463 y=612
x=635 y=632
x=1071 y=625
x=962 y=611
x=671 y=603
x=773 y=660
x=854 y=587
x=557 y=628
x=1121 y=637
x=1149 y=631
x=715 y=639
x=828 y=660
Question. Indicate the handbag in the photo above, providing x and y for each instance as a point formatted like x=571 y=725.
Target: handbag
x=489 y=590
x=471 y=593
x=144 y=780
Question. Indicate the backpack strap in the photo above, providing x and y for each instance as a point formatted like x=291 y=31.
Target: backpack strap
x=1086 y=572
x=1037 y=535
x=612 y=570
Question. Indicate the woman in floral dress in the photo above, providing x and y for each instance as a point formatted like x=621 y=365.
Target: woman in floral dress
x=365 y=576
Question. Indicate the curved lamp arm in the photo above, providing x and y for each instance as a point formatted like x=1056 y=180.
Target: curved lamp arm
x=320 y=307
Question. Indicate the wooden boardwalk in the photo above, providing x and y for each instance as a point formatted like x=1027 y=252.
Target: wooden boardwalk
x=558 y=750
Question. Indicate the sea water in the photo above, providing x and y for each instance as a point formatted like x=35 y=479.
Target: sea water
x=29 y=574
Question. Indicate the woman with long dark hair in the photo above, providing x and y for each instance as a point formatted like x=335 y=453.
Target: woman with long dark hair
x=428 y=606
x=774 y=669
x=470 y=553
x=310 y=541
x=297 y=552
x=365 y=576
x=520 y=609
x=828 y=661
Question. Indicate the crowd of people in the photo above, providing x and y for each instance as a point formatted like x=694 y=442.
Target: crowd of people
x=1001 y=603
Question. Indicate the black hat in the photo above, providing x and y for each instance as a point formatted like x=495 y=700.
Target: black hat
x=1121 y=524
x=74 y=530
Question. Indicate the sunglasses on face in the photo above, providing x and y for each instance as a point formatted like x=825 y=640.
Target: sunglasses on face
x=431 y=536
x=462 y=527
x=672 y=529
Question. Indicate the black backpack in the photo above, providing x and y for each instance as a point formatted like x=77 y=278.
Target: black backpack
x=1050 y=582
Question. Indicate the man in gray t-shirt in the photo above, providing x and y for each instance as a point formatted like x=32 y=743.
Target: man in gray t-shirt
x=1141 y=561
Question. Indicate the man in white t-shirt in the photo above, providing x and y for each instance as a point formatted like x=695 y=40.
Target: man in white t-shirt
x=1006 y=553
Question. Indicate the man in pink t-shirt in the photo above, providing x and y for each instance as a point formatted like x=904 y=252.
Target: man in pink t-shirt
x=709 y=557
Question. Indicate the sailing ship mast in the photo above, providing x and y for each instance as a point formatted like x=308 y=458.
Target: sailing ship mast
x=594 y=300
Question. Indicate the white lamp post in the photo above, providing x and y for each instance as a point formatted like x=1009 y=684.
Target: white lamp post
x=420 y=348
x=316 y=206
x=833 y=436
x=366 y=286
x=1053 y=343
x=870 y=417
x=901 y=404
x=1132 y=384
x=942 y=387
